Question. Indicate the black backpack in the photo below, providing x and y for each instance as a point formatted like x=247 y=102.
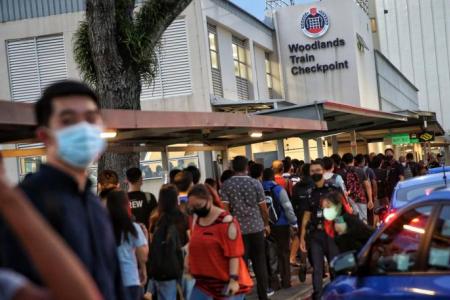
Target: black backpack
x=166 y=257
x=273 y=204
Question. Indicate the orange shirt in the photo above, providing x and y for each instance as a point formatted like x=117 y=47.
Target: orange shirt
x=211 y=268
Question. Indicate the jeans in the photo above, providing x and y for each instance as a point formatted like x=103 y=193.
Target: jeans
x=281 y=235
x=362 y=210
x=134 y=292
x=187 y=283
x=198 y=294
x=320 y=245
x=255 y=251
x=166 y=290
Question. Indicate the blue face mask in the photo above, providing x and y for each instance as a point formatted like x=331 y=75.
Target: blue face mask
x=80 y=144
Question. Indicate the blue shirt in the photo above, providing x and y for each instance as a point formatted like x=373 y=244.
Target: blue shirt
x=80 y=220
x=127 y=256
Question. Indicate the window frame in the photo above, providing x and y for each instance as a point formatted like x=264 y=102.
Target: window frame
x=238 y=59
x=215 y=51
x=269 y=75
x=423 y=248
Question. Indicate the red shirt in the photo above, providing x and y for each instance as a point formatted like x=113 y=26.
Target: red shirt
x=210 y=250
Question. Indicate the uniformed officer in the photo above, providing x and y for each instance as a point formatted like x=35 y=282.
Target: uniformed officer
x=313 y=237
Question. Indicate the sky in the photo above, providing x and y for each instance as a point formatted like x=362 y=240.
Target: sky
x=256 y=7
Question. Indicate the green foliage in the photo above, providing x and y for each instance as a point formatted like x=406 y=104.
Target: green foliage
x=136 y=46
x=83 y=54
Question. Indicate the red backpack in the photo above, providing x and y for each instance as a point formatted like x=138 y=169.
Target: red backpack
x=354 y=188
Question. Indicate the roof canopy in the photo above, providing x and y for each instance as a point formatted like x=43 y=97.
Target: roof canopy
x=163 y=128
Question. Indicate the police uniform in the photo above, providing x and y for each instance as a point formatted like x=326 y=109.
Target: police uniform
x=318 y=243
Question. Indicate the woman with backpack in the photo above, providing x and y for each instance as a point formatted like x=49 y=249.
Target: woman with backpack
x=168 y=235
x=132 y=248
x=220 y=272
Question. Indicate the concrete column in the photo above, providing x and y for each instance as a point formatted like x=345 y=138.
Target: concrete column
x=225 y=161
x=319 y=147
x=253 y=77
x=280 y=149
x=353 y=143
x=165 y=164
x=208 y=168
x=306 y=150
x=335 y=144
x=248 y=152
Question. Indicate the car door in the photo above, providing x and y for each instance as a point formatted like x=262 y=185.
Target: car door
x=434 y=276
x=388 y=270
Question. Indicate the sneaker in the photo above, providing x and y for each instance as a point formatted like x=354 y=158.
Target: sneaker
x=302 y=273
x=270 y=292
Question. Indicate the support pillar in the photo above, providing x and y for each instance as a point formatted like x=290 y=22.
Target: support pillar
x=334 y=144
x=306 y=150
x=225 y=161
x=280 y=149
x=319 y=147
x=165 y=164
x=353 y=143
x=248 y=152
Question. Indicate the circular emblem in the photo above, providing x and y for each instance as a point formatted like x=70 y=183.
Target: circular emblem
x=314 y=23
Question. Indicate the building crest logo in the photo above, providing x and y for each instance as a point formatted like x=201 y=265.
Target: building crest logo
x=314 y=23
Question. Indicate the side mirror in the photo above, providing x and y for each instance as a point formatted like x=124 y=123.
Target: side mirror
x=345 y=263
x=380 y=210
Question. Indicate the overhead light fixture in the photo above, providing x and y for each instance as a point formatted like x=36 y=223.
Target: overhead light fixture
x=256 y=134
x=108 y=134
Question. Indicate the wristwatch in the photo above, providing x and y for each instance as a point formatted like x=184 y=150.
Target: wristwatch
x=234 y=277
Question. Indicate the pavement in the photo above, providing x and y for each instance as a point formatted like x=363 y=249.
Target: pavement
x=298 y=291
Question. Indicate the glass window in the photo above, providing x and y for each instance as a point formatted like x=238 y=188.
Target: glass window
x=268 y=71
x=240 y=61
x=439 y=255
x=396 y=250
x=407 y=194
x=213 y=50
x=30 y=164
x=235 y=151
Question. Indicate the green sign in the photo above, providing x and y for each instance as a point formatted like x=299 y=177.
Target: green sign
x=414 y=141
x=399 y=138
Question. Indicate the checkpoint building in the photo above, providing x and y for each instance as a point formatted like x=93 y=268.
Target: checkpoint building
x=324 y=61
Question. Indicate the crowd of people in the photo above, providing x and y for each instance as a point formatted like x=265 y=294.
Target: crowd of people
x=195 y=240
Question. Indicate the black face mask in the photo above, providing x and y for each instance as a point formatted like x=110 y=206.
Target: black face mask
x=389 y=158
x=316 y=177
x=202 y=212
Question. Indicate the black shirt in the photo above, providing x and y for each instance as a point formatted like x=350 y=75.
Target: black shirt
x=142 y=204
x=313 y=205
x=300 y=193
x=80 y=220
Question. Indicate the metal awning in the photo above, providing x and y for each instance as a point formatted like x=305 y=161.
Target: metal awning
x=342 y=118
x=143 y=130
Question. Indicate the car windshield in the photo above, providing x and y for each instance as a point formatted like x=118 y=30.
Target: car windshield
x=405 y=195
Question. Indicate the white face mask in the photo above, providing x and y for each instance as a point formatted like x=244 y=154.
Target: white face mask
x=81 y=144
x=404 y=164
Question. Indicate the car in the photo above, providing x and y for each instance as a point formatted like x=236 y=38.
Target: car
x=439 y=170
x=408 y=190
x=408 y=257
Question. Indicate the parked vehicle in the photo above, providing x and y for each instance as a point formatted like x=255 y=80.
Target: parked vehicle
x=408 y=257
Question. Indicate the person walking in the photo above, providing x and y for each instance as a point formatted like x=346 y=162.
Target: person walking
x=132 y=245
x=220 y=272
x=168 y=226
x=331 y=176
x=285 y=224
x=358 y=186
x=141 y=204
x=244 y=197
x=313 y=238
x=347 y=230
x=69 y=123
x=394 y=170
x=183 y=182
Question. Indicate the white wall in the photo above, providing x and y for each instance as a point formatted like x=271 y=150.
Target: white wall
x=355 y=85
x=415 y=36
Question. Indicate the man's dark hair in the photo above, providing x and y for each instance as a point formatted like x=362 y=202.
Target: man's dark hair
x=388 y=149
x=305 y=170
x=256 y=170
x=347 y=158
x=359 y=159
x=287 y=164
x=376 y=162
x=227 y=174
x=195 y=173
x=134 y=175
x=172 y=175
x=210 y=181
x=108 y=177
x=316 y=162
x=240 y=163
x=336 y=159
x=43 y=108
x=268 y=174
x=327 y=163
x=409 y=156
x=183 y=181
